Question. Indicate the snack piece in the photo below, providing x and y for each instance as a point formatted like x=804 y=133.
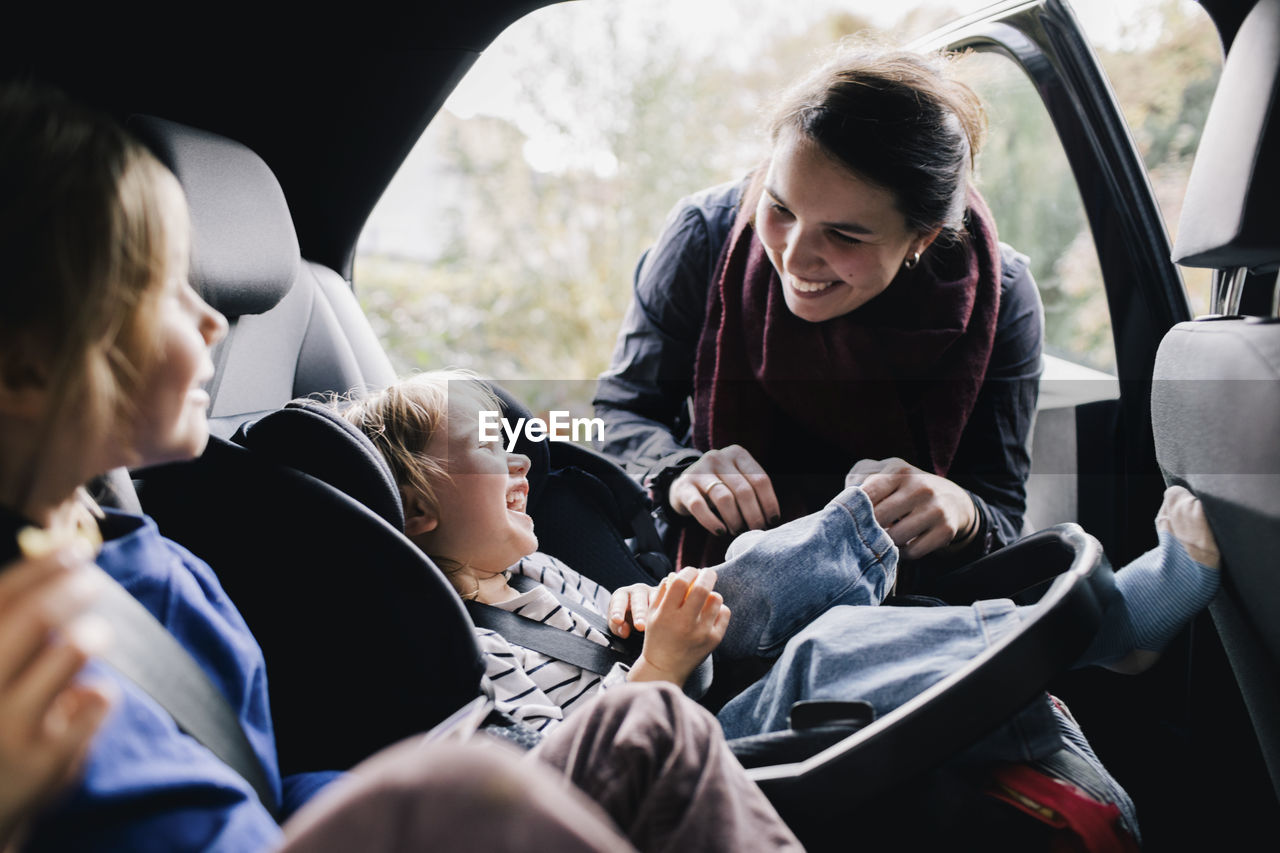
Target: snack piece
x=36 y=542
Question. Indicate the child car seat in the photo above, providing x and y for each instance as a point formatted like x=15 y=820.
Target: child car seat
x=835 y=765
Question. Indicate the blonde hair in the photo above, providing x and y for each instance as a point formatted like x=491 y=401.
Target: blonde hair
x=402 y=419
x=83 y=235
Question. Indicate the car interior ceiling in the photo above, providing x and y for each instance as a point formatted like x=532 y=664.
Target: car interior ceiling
x=332 y=134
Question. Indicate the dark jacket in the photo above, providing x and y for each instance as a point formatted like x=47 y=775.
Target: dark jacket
x=643 y=397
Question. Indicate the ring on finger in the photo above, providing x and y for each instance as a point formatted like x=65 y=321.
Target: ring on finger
x=717 y=483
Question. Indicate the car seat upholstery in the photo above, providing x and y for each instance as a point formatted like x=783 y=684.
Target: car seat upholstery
x=295 y=327
x=1216 y=395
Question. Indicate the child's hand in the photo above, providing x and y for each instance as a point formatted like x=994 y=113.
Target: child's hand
x=1182 y=515
x=687 y=620
x=629 y=608
x=47 y=717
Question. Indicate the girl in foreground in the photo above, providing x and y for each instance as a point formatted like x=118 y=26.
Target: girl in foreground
x=464 y=501
x=104 y=349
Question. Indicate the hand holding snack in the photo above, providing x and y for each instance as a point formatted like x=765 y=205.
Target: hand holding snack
x=47 y=716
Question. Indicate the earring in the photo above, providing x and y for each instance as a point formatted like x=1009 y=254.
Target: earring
x=910 y=263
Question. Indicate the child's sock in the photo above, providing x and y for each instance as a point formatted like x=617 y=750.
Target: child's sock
x=1160 y=592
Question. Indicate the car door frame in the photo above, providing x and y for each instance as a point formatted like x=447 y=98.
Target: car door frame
x=1118 y=481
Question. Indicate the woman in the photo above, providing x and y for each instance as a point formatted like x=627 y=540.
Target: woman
x=845 y=314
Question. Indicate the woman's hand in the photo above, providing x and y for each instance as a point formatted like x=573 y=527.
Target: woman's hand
x=922 y=512
x=629 y=608
x=726 y=491
x=47 y=717
x=687 y=620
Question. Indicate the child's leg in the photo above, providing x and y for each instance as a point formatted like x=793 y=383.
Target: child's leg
x=886 y=656
x=777 y=581
x=1162 y=590
x=658 y=764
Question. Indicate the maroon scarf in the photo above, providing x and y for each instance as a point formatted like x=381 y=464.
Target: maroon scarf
x=898 y=376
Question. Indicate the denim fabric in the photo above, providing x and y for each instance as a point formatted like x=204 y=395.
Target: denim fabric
x=811 y=612
x=1099 y=784
x=780 y=580
x=886 y=656
x=836 y=647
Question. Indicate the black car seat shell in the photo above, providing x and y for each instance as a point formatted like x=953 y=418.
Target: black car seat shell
x=365 y=641
x=1216 y=394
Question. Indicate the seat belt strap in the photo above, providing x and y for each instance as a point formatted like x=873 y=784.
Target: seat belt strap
x=550 y=641
x=146 y=653
x=524 y=583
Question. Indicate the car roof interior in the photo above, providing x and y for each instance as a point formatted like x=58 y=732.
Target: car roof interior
x=333 y=129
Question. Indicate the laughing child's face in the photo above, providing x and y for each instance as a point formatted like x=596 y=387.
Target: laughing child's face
x=480 y=519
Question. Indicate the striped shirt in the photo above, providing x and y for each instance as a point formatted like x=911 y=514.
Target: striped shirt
x=532 y=687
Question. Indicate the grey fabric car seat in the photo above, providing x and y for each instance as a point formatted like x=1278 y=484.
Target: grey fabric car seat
x=295 y=326
x=1216 y=395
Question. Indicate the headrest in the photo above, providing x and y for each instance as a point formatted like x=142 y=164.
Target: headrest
x=314 y=439
x=244 y=253
x=1228 y=215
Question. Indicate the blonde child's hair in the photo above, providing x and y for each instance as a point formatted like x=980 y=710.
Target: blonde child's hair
x=401 y=420
x=83 y=235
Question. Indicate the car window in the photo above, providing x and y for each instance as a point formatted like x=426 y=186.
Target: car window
x=1025 y=178
x=1163 y=58
x=508 y=240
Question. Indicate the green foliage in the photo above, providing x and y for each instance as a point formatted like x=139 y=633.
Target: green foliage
x=1024 y=176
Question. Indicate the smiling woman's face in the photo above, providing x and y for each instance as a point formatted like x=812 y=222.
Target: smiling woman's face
x=835 y=239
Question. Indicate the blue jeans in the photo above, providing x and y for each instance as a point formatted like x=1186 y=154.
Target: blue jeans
x=799 y=593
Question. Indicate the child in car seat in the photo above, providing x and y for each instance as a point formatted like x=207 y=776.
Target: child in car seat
x=104 y=349
x=794 y=590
